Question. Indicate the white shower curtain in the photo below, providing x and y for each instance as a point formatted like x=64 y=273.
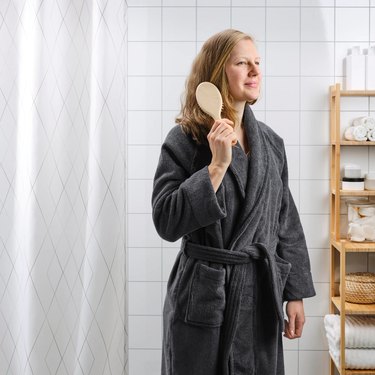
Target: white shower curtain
x=62 y=187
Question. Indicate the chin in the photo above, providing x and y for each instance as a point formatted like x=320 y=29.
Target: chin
x=252 y=98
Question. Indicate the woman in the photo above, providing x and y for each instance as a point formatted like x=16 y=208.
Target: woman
x=223 y=187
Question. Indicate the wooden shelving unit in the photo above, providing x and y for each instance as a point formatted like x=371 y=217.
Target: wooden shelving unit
x=338 y=245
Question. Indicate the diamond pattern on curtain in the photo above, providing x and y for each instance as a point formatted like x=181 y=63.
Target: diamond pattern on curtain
x=62 y=187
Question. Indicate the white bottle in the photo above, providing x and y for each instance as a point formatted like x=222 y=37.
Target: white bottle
x=370 y=69
x=355 y=70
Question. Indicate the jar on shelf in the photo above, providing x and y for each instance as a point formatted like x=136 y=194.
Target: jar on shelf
x=361 y=221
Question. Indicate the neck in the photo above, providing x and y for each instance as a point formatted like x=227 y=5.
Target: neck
x=240 y=107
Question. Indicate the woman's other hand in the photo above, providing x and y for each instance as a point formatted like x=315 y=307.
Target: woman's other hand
x=296 y=319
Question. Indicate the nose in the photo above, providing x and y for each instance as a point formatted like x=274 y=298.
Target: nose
x=254 y=70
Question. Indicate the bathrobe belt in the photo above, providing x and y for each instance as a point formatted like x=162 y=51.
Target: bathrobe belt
x=238 y=259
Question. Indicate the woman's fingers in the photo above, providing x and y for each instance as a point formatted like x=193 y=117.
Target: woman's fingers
x=220 y=127
x=221 y=122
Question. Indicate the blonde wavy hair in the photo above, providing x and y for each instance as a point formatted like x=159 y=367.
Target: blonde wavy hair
x=209 y=65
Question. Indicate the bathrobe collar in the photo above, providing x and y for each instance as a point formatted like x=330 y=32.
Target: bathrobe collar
x=256 y=175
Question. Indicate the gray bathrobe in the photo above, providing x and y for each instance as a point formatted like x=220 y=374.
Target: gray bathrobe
x=243 y=253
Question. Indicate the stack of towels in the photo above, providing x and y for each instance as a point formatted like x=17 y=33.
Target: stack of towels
x=361 y=129
x=361 y=226
x=359 y=340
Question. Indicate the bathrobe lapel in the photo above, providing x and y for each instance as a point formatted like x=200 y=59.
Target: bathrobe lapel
x=257 y=175
x=238 y=168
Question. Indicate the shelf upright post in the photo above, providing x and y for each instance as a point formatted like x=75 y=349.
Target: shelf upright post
x=342 y=306
x=337 y=161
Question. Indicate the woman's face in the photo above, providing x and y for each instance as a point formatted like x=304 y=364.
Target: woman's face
x=243 y=72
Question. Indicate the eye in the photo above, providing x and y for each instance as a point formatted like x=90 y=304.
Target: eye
x=242 y=63
x=257 y=62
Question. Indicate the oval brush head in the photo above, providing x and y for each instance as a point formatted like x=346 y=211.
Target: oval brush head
x=209 y=99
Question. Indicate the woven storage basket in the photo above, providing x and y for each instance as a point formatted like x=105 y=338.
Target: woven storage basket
x=360 y=287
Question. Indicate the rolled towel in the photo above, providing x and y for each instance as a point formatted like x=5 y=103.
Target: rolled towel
x=366 y=211
x=355 y=232
x=371 y=135
x=356 y=133
x=367 y=121
x=369 y=232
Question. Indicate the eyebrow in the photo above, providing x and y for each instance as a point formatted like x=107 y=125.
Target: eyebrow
x=246 y=58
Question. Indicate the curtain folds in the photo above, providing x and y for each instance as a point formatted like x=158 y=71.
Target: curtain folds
x=62 y=187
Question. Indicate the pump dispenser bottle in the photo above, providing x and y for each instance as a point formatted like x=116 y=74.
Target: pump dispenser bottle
x=370 y=68
x=355 y=70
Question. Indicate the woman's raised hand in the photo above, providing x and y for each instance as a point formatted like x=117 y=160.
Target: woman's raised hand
x=221 y=139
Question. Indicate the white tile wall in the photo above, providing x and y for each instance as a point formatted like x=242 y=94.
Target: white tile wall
x=144 y=361
x=286 y=124
x=144 y=24
x=291 y=362
x=145 y=93
x=173 y=88
x=315 y=3
x=219 y=20
x=177 y=57
x=282 y=93
x=144 y=58
x=317 y=24
x=358 y=19
x=350 y=3
x=311 y=133
x=253 y=3
x=146 y=264
x=256 y=28
x=319 y=259
x=179 y=3
x=145 y=332
x=283 y=24
x=293 y=155
x=314 y=197
x=302 y=45
x=322 y=54
x=144 y=127
x=174 y=18
x=283 y=59
x=213 y=3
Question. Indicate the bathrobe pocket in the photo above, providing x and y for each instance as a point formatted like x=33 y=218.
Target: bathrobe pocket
x=283 y=268
x=206 y=296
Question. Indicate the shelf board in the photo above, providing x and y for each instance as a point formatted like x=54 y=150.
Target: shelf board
x=354 y=247
x=355 y=308
x=357 y=143
x=357 y=92
x=358 y=372
x=355 y=193
x=336 y=89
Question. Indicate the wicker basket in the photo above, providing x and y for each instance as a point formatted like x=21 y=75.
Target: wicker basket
x=360 y=287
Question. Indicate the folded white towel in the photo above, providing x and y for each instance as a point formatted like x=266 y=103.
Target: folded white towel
x=359 y=340
x=371 y=135
x=367 y=121
x=363 y=359
x=356 y=133
x=359 y=330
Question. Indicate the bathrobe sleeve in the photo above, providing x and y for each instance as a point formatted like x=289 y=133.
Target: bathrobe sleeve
x=292 y=245
x=183 y=200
